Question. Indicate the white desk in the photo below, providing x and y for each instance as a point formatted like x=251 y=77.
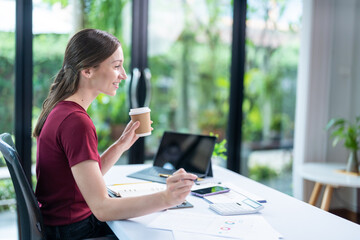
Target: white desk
x=292 y=218
x=327 y=174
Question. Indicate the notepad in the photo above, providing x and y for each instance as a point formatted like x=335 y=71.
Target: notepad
x=135 y=189
x=139 y=189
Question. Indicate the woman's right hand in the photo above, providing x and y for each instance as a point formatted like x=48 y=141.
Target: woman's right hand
x=128 y=137
x=178 y=187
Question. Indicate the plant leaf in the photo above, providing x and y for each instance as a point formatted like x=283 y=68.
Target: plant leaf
x=334 y=123
x=335 y=141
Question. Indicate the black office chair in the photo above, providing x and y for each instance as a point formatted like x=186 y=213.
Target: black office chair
x=30 y=219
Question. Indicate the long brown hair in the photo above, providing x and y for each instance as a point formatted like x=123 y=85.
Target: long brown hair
x=86 y=49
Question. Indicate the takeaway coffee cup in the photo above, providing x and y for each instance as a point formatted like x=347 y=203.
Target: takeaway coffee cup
x=143 y=116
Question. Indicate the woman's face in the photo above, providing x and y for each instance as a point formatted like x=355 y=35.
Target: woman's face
x=107 y=76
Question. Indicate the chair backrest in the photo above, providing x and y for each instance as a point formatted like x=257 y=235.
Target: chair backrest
x=31 y=223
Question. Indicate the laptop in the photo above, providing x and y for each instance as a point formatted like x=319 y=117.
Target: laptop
x=191 y=152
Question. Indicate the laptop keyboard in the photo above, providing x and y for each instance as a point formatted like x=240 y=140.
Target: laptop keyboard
x=157 y=170
x=152 y=174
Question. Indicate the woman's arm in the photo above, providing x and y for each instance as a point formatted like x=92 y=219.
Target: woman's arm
x=90 y=181
x=113 y=153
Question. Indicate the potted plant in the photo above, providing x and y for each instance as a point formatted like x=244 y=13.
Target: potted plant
x=219 y=156
x=349 y=132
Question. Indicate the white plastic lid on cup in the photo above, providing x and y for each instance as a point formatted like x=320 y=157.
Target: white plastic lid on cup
x=143 y=134
x=136 y=111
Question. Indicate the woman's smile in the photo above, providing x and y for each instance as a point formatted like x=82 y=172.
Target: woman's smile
x=116 y=84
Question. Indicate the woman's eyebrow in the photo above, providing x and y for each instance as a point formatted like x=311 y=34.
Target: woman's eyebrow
x=119 y=60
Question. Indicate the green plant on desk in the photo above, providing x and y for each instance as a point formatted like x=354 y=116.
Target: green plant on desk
x=219 y=149
x=349 y=132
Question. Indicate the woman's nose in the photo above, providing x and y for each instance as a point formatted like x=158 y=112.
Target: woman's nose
x=122 y=74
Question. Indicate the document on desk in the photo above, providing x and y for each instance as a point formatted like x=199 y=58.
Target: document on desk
x=179 y=235
x=236 y=194
x=245 y=227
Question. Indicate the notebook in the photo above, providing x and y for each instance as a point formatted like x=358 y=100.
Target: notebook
x=180 y=150
x=135 y=189
x=139 y=189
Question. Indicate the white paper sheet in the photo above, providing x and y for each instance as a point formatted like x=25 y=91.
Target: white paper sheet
x=236 y=194
x=246 y=227
x=178 y=235
x=248 y=194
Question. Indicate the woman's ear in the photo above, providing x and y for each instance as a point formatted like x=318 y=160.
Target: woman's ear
x=87 y=72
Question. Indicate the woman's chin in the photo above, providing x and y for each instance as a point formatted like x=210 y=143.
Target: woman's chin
x=111 y=93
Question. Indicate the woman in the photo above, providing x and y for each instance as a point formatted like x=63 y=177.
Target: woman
x=70 y=189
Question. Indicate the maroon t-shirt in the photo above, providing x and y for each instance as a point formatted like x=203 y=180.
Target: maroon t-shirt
x=67 y=138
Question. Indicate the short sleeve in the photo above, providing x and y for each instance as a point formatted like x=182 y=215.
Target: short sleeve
x=77 y=136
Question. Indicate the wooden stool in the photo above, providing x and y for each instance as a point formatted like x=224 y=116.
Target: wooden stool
x=325 y=204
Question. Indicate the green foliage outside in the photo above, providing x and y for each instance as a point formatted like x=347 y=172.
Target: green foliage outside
x=48 y=55
x=191 y=80
x=270 y=78
x=270 y=94
x=262 y=173
x=7 y=78
x=7 y=192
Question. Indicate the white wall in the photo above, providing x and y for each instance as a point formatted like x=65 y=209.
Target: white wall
x=343 y=69
x=328 y=85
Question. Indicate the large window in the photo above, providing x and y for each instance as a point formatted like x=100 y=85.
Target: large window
x=189 y=53
x=272 y=51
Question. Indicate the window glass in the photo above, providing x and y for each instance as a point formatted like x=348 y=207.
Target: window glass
x=7 y=66
x=7 y=113
x=272 y=52
x=189 y=56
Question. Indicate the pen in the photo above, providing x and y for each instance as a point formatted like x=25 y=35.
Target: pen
x=164 y=175
x=117 y=184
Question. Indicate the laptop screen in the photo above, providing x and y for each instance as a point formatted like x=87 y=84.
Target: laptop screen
x=189 y=151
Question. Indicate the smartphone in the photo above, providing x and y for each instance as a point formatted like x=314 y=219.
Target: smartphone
x=203 y=192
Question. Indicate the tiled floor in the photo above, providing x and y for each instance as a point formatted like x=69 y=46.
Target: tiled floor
x=8 y=225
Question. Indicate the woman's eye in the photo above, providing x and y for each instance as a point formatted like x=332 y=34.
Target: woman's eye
x=117 y=66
